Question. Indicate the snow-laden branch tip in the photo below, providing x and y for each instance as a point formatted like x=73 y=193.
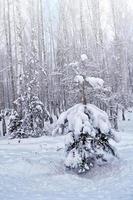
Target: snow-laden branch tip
x=44 y=71
x=74 y=66
x=5 y=69
x=84 y=57
x=96 y=83
x=79 y=79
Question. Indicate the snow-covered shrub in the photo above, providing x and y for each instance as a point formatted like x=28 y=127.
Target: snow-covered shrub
x=88 y=134
x=14 y=127
x=30 y=109
x=33 y=117
x=30 y=121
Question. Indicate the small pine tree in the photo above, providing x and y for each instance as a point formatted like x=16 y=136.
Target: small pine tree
x=14 y=127
x=31 y=113
x=33 y=120
x=88 y=134
x=88 y=131
x=30 y=123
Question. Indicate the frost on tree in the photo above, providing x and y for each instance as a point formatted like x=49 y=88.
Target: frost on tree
x=88 y=137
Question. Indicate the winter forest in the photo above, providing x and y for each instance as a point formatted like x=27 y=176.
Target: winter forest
x=66 y=99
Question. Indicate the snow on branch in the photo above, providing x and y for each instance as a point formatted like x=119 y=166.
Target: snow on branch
x=84 y=57
x=96 y=83
x=79 y=79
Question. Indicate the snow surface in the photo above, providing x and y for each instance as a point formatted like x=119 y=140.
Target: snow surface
x=33 y=170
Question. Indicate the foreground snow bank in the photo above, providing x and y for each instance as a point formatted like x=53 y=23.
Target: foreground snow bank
x=33 y=170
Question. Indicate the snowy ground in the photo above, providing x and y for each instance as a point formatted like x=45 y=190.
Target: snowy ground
x=33 y=170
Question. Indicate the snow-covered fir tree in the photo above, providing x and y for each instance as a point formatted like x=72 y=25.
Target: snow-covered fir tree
x=88 y=132
x=81 y=76
x=31 y=112
x=33 y=120
x=14 y=126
